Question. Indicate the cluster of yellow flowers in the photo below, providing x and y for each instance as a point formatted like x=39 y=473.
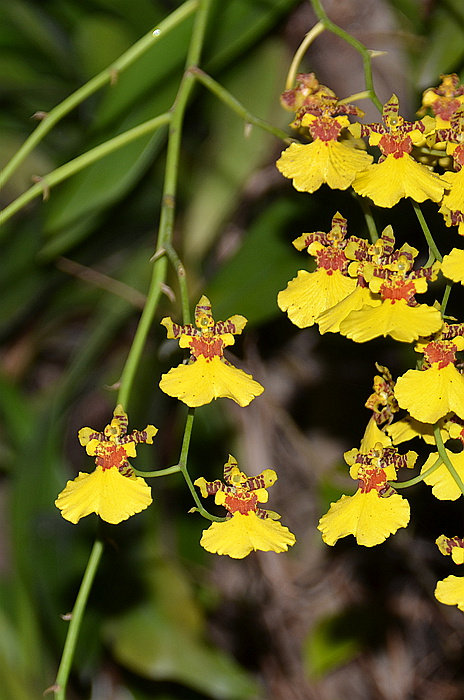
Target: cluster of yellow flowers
x=114 y=492
x=364 y=290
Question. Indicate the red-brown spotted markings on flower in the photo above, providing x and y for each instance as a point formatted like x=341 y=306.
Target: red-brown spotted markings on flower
x=331 y=259
x=241 y=502
x=370 y=478
x=441 y=352
x=397 y=288
x=208 y=347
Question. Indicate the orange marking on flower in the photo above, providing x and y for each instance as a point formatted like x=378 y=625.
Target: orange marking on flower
x=208 y=347
x=110 y=455
x=390 y=144
x=442 y=352
x=371 y=479
x=241 y=502
x=398 y=289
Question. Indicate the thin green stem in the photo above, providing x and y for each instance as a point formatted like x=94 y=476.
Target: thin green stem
x=446 y=460
x=178 y=266
x=417 y=479
x=370 y=222
x=236 y=106
x=83 y=161
x=183 y=467
x=444 y=301
x=428 y=236
x=109 y=75
x=300 y=52
x=360 y=48
x=168 y=203
x=76 y=620
x=158 y=472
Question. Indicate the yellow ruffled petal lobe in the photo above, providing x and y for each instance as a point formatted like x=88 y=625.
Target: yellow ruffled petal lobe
x=310 y=293
x=243 y=533
x=453 y=265
x=431 y=393
x=310 y=165
x=368 y=516
x=409 y=428
x=329 y=321
x=202 y=381
x=450 y=591
x=107 y=493
x=454 y=199
x=395 y=318
x=387 y=182
x=443 y=485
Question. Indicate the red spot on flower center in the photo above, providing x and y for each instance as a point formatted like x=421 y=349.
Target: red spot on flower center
x=331 y=259
x=397 y=289
x=372 y=479
x=110 y=455
x=396 y=145
x=241 y=502
x=208 y=347
x=442 y=352
x=325 y=129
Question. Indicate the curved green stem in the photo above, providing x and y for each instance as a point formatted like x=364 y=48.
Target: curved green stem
x=416 y=479
x=183 y=468
x=46 y=182
x=168 y=204
x=178 y=266
x=76 y=620
x=428 y=236
x=236 y=106
x=300 y=52
x=360 y=48
x=446 y=460
x=158 y=472
x=106 y=76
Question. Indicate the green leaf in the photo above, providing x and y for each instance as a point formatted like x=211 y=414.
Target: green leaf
x=162 y=640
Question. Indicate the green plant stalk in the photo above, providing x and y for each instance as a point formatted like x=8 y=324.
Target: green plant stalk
x=236 y=106
x=370 y=222
x=75 y=622
x=444 y=456
x=176 y=262
x=183 y=468
x=444 y=301
x=83 y=161
x=416 y=479
x=428 y=236
x=108 y=75
x=158 y=472
x=360 y=48
x=168 y=204
x=300 y=52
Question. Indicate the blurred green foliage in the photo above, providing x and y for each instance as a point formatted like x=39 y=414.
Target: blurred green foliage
x=65 y=340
